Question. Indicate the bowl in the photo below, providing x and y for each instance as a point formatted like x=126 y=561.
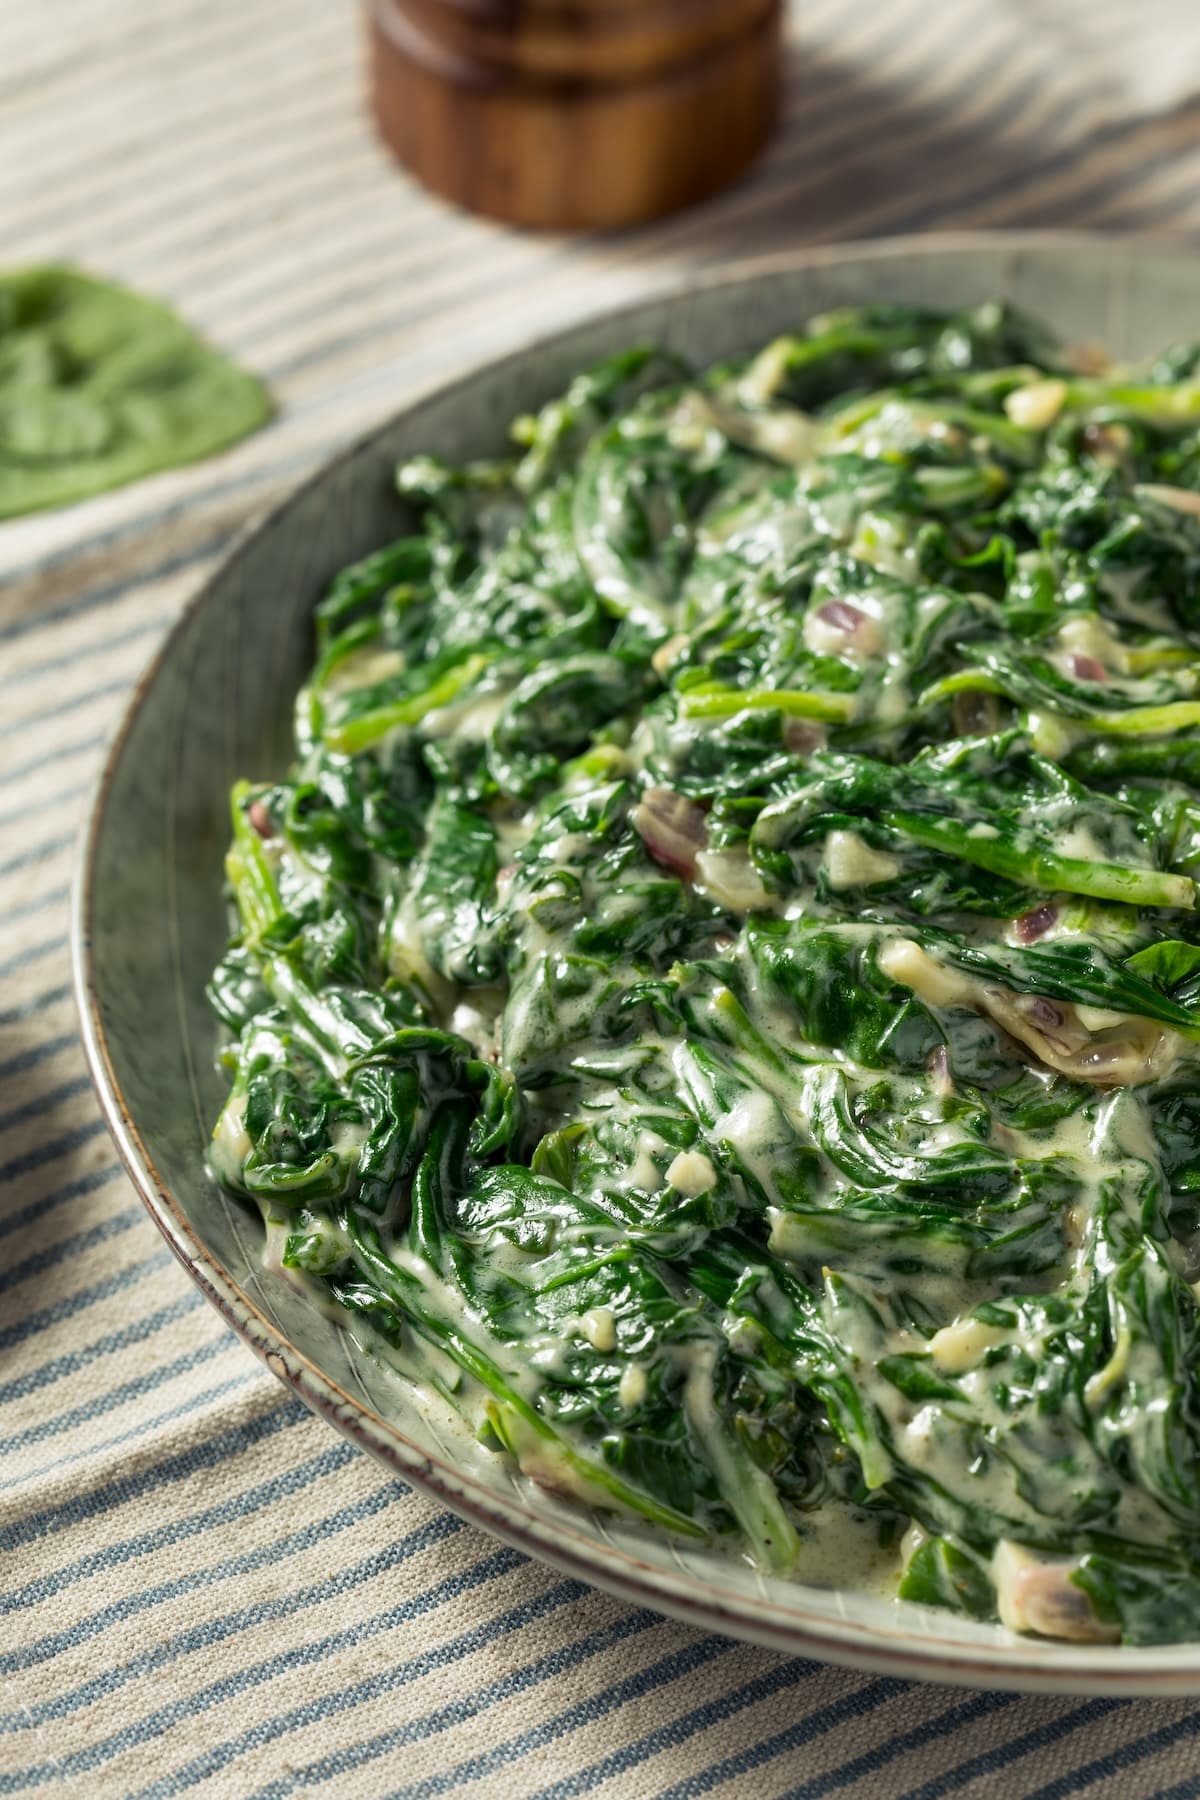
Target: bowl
x=150 y=923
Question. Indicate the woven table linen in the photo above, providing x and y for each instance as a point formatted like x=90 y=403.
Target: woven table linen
x=205 y=1591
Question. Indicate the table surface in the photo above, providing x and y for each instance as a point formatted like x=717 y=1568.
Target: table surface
x=204 y=1590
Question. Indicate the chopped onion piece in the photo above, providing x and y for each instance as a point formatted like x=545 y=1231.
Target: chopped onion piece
x=672 y=828
x=1181 y=500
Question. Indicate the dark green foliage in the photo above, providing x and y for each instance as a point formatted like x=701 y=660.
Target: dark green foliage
x=718 y=992
x=943 y=1574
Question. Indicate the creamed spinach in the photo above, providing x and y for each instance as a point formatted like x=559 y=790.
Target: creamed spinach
x=718 y=994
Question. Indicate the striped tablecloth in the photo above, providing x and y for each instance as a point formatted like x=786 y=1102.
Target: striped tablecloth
x=205 y=1591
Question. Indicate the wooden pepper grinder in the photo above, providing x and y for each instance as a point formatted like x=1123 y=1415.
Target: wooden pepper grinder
x=578 y=114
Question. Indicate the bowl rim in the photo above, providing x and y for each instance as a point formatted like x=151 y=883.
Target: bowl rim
x=1008 y=1662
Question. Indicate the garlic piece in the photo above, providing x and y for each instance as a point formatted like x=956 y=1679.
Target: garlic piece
x=850 y=862
x=1037 y=405
x=691 y=1173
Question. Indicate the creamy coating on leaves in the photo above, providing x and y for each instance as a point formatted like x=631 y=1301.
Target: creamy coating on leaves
x=717 y=997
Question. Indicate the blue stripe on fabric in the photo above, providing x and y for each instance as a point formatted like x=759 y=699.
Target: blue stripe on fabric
x=101 y=1233
x=51 y=665
x=301 y=1656
x=247 y=1378
x=1111 y=1766
x=321 y=302
x=991 y=1762
x=969 y=1712
x=39 y=853
x=852 y=1704
x=1146 y=214
x=48 y=1316
x=1183 y=199
x=330 y=142
x=121 y=685
x=266 y=1494
x=930 y=98
x=59 y=797
x=676 y=1731
x=12 y=1015
x=668 y=1668
x=36 y=1053
x=946 y=134
x=60 y=1196
x=1187 y=1789
x=207 y=234
x=137 y=217
x=1168 y=205
x=44 y=1103
x=71 y=1361
x=96 y=1405
x=388 y=1680
x=951 y=112
x=323 y=350
x=702 y=1718
x=267 y=1554
x=95 y=740
x=657 y=1675
x=951 y=132
x=116 y=47
x=1113 y=181
x=444 y=1656
x=30 y=954
x=1141 y=169
x=230 y=1625
x=1017 y=94
x=26 y=908
x=1013 y=180
x=278 y=81
x=94 y=1505
x=94 y=597
x=37 y=1158
x=138 y=527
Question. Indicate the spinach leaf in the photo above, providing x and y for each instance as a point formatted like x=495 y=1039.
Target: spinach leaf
x=99 y=386
x=718 y=992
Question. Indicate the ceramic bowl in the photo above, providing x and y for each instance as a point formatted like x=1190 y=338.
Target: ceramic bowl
x=150 y=922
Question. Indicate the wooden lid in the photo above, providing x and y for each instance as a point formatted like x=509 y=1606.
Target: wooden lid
x=575 y=113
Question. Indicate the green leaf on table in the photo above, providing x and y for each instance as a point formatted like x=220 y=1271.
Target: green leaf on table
x=99 y=386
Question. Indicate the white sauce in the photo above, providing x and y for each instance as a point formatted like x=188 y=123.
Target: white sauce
x=850 y=862
x=363 y=668
x=958 y=1347
x=691 y=1173
x=631 y=1389
x=599 y=1327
